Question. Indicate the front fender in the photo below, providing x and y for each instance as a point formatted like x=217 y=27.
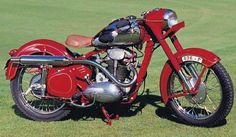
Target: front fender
x=207 y=58
x=42 y=46
x=203 y=56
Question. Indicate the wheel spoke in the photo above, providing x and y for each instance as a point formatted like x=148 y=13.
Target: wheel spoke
x=212 y=102
x=27 y=92
x=208 y=73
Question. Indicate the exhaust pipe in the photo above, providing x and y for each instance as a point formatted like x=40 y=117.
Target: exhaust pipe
x=64 y=61
x=41 y=60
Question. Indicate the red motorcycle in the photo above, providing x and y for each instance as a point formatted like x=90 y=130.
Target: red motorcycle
x=47 y=78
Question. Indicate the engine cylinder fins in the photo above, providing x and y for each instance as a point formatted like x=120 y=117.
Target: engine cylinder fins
x=121 y=73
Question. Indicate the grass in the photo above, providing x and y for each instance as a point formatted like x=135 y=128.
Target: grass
x=209 y=24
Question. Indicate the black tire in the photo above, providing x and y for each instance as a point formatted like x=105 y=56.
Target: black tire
x=217 y=116
x=27 y=108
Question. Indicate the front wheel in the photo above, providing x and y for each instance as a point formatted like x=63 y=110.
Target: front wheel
x=214 y=99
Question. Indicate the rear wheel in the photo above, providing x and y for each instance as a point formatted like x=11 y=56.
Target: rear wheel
x=213 y=101
x=26 y=93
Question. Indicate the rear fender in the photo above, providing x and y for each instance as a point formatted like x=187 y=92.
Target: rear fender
x=40 y=46
x=203 y=56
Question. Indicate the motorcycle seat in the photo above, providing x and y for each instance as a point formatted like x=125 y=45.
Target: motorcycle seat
x=78 y=41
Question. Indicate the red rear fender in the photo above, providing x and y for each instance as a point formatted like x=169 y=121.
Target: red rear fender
x=205 y=57
x=40 y=46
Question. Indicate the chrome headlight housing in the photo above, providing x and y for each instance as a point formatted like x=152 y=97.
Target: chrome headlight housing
x=170 y=18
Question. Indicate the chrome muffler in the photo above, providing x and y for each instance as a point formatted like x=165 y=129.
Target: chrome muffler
x=64 y=61
x=42 y=60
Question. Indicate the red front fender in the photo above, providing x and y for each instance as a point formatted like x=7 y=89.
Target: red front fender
x=203 y=56
x=42 y=46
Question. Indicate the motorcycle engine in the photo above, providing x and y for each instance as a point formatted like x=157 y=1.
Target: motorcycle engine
x=116 y=62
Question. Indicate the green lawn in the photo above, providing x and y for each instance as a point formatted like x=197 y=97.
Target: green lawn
x=209 y=24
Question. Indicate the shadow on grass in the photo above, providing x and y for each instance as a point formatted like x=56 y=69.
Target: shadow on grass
x=18 y=112
x=128 y=110
x=91 y=113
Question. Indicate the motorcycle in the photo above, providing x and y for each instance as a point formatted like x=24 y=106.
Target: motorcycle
x=47 y=79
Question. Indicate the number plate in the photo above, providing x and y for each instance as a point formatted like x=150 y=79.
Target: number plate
x=192 y=58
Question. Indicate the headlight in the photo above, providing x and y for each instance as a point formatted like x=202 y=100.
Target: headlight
x=170 y=18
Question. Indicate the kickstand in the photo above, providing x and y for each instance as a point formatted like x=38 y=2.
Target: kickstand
x=109 y=117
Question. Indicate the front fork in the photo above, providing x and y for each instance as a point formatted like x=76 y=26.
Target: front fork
x=176 y=64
